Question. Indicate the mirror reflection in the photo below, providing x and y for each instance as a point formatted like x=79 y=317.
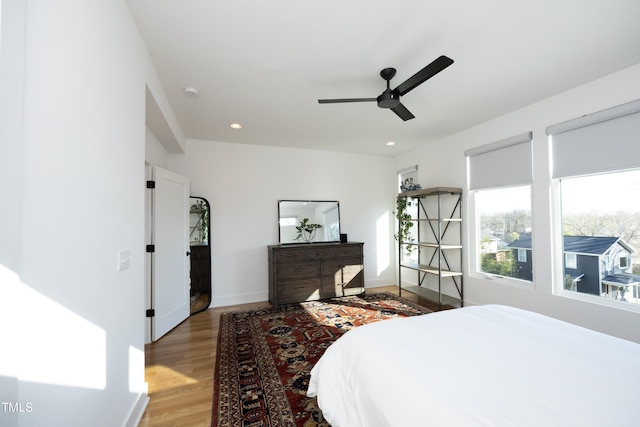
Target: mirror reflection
x=308 y=221
x=200 y=253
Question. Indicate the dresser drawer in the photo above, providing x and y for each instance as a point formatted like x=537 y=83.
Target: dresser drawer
x=321 y=252
x=345 y=251
x=299 y=290
x=341 y=266
x=336 y=284
x=284 y=255
x=296 y=270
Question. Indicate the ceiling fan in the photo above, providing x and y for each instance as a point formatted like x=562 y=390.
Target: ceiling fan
x=390 y=98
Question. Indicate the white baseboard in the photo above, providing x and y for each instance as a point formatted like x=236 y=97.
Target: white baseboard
x=264 y=296
x=138 y=410
x=217 y=301
x=378 y=283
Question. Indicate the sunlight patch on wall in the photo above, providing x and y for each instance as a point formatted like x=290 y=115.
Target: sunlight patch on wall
x=9 y=313
x=136 y=371
x=382 y=243
x=52 y=344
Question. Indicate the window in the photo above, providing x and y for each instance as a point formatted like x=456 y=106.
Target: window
x=596 y=162
x=623 y=261
x=570 y=260
x=504 y=240
x=500 y=175
x=522 y=255
x=601 y=222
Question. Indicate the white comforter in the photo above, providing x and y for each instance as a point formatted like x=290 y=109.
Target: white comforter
x=478 y=366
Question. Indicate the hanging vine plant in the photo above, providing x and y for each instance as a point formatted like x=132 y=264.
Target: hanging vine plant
x=404 y=224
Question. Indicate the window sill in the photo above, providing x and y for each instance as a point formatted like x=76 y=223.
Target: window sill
x=597 y=300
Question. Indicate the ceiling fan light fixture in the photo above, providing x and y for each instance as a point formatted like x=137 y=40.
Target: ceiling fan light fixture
x=235 y=126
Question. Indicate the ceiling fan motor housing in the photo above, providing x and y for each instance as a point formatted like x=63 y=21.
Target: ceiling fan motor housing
x=388 y=99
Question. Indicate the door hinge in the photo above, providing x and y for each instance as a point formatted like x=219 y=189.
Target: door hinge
x=151 y=184
x=151 y=248
x=151 y=312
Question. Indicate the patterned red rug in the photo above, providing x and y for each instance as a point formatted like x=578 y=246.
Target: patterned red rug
x=264 y=356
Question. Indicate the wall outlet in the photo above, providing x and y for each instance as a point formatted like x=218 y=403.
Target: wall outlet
x=124 y=259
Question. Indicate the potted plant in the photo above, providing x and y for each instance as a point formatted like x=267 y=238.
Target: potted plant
x=204 y=221
x=306 y=230
x=404 y=224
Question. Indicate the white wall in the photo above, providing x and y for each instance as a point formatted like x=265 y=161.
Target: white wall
x=75 y=352
x=443 y=163
x=155 y=153
x=243 y=183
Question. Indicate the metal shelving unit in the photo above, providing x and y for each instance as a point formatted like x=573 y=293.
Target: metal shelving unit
x=434 y=253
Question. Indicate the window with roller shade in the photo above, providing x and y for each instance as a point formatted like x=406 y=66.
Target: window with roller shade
x=596 y=164
x=499 y=180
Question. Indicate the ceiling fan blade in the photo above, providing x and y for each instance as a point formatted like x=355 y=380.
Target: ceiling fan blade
x=402 y=112
x=423 y=75
x=335 y=101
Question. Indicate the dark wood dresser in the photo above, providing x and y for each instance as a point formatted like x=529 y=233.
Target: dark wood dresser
x=314 y=271
x=200 y=269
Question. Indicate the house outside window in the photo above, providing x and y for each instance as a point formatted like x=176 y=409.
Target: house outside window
x=601 y=223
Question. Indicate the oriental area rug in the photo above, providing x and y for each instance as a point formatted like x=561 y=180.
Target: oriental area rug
x=265 y=356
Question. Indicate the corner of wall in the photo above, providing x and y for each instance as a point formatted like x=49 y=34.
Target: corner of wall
x=159 y=115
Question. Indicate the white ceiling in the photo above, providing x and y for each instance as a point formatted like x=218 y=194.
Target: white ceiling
x=265 y=64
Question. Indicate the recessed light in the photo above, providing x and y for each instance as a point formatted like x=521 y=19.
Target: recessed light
x=189 y=90
x=235 y=126
x=390 y=143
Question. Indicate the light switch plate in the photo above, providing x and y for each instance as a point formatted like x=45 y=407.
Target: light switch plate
x=124 y=259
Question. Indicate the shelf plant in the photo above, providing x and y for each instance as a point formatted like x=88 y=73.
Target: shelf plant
x=404 y=224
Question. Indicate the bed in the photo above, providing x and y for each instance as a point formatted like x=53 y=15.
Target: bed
x=486 y=365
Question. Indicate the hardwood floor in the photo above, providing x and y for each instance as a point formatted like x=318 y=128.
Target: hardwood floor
x=179 y=367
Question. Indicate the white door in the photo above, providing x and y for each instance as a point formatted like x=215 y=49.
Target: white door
x=170 y=266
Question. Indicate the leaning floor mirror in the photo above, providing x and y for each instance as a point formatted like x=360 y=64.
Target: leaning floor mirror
x=200 y=253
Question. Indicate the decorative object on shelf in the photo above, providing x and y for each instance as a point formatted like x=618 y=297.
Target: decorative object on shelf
x=404 y=224
x=306 y=230
x=408 y=185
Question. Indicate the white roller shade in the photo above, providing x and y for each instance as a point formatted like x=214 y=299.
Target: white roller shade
x=605 y=141
x=504 y=163
x=331 y=216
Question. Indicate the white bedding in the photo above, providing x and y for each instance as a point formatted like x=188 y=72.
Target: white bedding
x=478 y=366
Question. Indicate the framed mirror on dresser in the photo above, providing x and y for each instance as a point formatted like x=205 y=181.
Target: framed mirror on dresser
x=308 y=221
